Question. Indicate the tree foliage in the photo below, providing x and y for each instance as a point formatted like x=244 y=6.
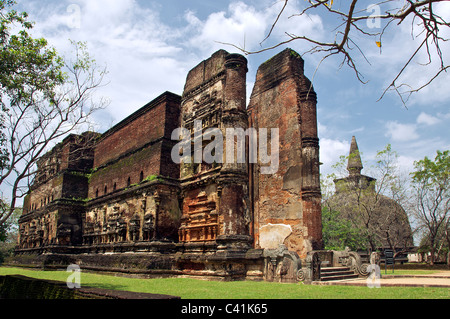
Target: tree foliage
x=431 y=198
x=339 y=232
x=367 y=208
x=43 y=97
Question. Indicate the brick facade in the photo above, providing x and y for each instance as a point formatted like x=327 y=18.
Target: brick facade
x=128 y=195
x=133 y=188
x=52 y=209
x=214 y=195
x=287 y=201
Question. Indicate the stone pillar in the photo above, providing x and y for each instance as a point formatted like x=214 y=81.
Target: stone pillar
x=233 y=177
x=234 y=115
x=311 y=195
x=235 y=86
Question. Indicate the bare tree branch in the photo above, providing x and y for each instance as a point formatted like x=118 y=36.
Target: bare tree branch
x=421 y=13
x=45 y=119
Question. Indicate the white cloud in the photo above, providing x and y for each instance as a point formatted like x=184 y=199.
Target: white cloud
x=141 y=52
x=246 y=26
x=322 y=129
x=146 y=56
x=310 y=25
x=427 y=119
x=330 y=151
x=357 y=130
x=406 y=163
x=401 y=132
x=241 y=25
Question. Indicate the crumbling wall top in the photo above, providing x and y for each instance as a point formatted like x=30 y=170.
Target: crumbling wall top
x=285 y=64
x=210 y=68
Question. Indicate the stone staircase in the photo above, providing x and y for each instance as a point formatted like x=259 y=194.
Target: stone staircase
x=336 y=273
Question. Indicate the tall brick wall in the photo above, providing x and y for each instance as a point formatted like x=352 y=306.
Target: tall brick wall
x=137 y=147
x=286 y=204
x=135 y=192
x=126 y=171
x=215 y=194
x=133 y=187
x=154 y=121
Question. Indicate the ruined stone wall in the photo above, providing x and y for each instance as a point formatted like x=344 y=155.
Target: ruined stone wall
x=52 y=209
x=214 y=195
x=128 y=195
x=136 y=149
x=52 y=213
x=37 y=229
x=286 y=204
x=44 y=194
x=146 y=212
x=131 y=195
x=133 y=187
x=152 y=122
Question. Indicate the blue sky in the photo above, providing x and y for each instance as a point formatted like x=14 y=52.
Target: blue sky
x=149 y=46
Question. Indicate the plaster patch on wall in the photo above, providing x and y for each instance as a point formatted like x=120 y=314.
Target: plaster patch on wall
x=272 y=235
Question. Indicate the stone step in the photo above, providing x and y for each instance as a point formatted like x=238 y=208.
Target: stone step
x=333 y=269
x=336 y=273
x=339 y=277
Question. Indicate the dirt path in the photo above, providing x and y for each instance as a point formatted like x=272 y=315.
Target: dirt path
x=440 y=279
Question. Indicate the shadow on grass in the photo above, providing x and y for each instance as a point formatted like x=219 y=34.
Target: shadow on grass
x=104 y=286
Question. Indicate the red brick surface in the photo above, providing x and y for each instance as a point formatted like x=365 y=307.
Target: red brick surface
x=155 y=120
x=283 y=98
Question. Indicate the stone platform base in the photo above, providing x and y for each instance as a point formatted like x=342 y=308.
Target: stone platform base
x=225 y=261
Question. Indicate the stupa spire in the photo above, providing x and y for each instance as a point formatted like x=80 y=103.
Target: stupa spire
x=354 y=165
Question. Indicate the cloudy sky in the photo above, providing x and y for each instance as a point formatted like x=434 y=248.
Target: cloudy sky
x=149 y=46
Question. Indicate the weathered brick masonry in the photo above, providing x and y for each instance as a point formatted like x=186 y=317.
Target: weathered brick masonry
x=133 y=188
x=287 y=203
x=222 y=219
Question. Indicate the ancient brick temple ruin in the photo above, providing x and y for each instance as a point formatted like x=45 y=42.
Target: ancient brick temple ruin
x=117 y=201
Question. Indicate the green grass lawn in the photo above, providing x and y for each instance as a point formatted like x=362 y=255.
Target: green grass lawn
x=200 y=289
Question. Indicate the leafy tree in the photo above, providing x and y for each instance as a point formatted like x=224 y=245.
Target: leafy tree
x=373 y=206
x=43 y=97
x=431 y=198
x=9 y=232
x=339 y=232
x=442 y=247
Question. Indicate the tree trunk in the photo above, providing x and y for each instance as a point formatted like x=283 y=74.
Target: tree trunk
x=432 y=254
x=448 y=260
